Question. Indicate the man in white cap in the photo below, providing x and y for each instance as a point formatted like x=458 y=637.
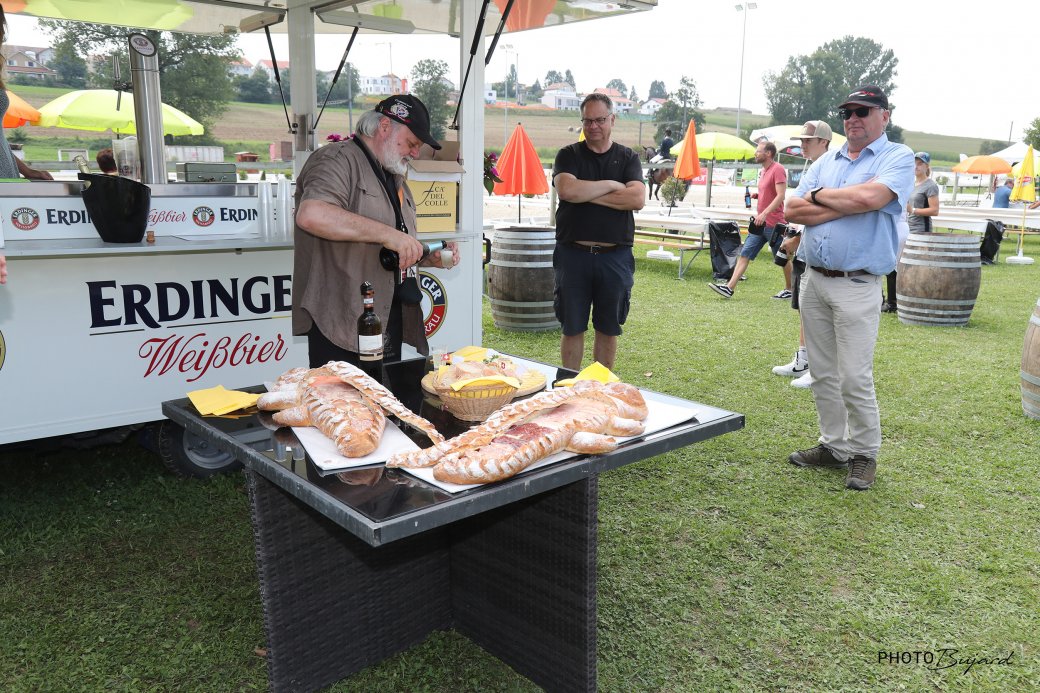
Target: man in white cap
x=850 y=201
x=815 y=138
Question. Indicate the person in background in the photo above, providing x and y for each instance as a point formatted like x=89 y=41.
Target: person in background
x=924 y=203
x=351 y=201
x=3 y=269
x=666 y=144
x=10 y=165
x=772 y=187
x=107 y=162
x=600 y=184
x=850 y=201
x=1002 y=196
x=816 y=138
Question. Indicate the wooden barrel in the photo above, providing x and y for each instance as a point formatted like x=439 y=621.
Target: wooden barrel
x=1031 y=366
x=520 y=279
x=938 y=280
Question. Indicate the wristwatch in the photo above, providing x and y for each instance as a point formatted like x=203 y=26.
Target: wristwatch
x=812 y=195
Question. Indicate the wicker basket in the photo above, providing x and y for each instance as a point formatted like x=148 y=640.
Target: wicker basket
x=475 y=403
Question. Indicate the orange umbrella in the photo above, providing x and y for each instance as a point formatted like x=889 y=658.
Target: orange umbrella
x=983 y=165
x=520 y=168
x=526 y=14
x=19 y=112
x=688 y=166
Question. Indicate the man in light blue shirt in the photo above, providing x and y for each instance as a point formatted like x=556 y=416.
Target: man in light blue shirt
x=1002 y=196
x=849 y=200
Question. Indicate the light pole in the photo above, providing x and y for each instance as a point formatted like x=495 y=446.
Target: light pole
x=390 y=49
x=744 y=7
x=508 y=48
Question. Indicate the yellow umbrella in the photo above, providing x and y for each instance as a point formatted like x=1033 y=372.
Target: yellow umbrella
x=1024 y=190
x=95 y=109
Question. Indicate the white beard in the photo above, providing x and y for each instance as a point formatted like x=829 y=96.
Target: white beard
x=391 y=162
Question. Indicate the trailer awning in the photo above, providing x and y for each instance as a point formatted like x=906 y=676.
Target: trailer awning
x=330 y=16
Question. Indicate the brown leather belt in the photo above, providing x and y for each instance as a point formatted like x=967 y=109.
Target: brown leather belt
x=838 y=273
x=595 y=249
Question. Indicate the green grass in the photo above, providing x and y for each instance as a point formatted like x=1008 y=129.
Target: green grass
x=722 y=567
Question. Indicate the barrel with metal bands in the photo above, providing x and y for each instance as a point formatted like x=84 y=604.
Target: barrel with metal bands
x=520 y=279
x=1031 y=366
x=938 y=279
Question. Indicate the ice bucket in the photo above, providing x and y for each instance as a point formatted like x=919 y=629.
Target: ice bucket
x=118 y=206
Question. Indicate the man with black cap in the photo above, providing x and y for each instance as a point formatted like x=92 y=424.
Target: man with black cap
x=850 y=201
x=351 y=202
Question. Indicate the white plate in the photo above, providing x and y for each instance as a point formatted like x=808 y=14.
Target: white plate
x=325 y=456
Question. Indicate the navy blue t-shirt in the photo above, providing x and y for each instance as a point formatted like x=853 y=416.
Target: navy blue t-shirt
x=591 y=222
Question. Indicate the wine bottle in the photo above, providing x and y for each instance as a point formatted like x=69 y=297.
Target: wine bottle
x=391 y=261
x=370 y=335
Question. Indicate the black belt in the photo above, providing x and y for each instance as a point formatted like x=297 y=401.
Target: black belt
x=595 y=249
x=838 y=273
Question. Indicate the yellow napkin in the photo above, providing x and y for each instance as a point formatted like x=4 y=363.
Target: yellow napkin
x=596 y=371
x=471 y=353
x=486 y=380
x=217 y=400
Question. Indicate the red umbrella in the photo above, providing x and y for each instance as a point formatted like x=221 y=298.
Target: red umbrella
x=520 y=168
x=688 y=165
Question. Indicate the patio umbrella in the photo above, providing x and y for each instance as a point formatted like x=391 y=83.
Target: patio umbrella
x=526 y=14
x=520 y=169
x=156 y=14
x=1024 y=190
x=718 y=146
x=688 y=164
x=95 y=109
x=985 y=165
x=19 y=112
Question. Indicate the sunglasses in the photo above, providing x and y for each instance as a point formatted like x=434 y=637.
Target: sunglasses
x=861 y=112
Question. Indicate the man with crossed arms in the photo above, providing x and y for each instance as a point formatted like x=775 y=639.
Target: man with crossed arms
x=849 y=201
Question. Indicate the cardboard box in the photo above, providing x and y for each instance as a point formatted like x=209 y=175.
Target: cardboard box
x=435 y=186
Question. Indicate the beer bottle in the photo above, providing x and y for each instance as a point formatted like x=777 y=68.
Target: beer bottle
x=747 y=197
x=370 y=335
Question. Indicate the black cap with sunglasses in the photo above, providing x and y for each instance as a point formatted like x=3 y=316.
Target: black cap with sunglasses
x=867 y=95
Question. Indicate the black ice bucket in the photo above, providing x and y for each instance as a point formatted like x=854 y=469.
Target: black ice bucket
x=118 y=206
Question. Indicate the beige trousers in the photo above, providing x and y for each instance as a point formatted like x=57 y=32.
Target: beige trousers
x=840 y=316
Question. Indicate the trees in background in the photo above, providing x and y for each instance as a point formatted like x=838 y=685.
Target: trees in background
x=657 y=90
x=70 y=65
x=193 y=68
x=809 y=87
x=1032 y=134
x=430 y=85
x=680 y=108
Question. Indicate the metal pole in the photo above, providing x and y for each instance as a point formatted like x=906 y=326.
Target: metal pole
x=740 y=88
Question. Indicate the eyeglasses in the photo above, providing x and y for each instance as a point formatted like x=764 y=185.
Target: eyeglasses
x=594 y=121
x=861 y=112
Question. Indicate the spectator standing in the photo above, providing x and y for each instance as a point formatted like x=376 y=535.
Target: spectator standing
x=924 y=202
x=600 y=184
x=1002 y=196
x=816 y=138
x=10 y=165
x=351 y=202
x=850 y=202
x=772 y=187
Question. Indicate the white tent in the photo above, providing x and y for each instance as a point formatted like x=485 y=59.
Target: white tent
x=1016 y=152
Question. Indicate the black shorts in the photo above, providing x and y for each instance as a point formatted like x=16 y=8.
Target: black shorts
x=599 y=283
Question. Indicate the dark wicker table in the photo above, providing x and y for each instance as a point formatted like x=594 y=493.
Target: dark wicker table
x=359 y=565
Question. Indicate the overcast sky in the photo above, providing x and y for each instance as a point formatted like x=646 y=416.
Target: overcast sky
x=957 y=60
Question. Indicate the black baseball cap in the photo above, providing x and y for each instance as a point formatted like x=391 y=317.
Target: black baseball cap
x=410 y=111
x=867 y=95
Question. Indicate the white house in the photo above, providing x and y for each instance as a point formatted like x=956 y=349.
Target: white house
x=622 y=104
x=241 y=67
x=490 y=95
x=267 y=66
x=27 y=60
x=384 y=84
x=651 y=106
x=561 y=96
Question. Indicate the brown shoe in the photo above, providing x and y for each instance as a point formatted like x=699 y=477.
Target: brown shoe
x=861 y=473
x=819 y=456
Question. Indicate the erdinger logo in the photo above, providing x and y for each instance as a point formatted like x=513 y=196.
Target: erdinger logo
x=3 y=351
x=203 y=216
x=25 y=218
x=434 y=290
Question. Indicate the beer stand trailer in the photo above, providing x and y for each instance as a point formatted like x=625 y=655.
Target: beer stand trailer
x=95 y=335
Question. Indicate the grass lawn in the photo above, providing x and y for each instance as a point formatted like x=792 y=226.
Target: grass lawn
x=722 y=567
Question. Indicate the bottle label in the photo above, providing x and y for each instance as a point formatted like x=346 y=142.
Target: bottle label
x=368 y=301
x=370 y=347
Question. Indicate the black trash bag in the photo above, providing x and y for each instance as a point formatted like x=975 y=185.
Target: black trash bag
x=118 y=207
x=724 y=243
x=990 y=247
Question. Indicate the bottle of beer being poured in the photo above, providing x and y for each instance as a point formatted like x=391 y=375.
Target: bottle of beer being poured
x=370 y=335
